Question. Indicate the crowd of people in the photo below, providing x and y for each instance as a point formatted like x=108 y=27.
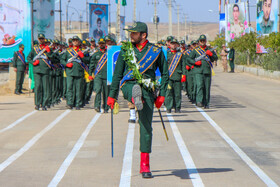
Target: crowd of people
x=73 y=71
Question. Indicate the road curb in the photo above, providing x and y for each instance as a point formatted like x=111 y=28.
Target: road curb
x=259 y=72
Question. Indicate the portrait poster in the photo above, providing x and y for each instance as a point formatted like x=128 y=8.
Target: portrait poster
x=44 y=18
x=112 y=56
x=15 y=28
x=222 y=25
x=98 y=20
x=236 y=18
x=267 y=16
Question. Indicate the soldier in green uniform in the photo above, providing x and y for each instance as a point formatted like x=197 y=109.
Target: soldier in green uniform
x=20 y=67
x=168 y=40
x=231 y=59
x=203 y=71
x=41 y=69
x=98 y=67
x=152 y=57
x=176 y=77
x=75 y=73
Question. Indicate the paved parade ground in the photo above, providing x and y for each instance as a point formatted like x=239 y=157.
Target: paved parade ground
x=234 y=143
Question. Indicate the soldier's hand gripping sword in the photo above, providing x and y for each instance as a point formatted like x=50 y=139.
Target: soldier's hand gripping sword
x=75 y=57
x=40 y=53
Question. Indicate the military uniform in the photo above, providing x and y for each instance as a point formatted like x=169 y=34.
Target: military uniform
x=41 y=70
x=100 y=77
x=231 y=59
x=173 y=94
x=75 y=75
x=146 y=114
x=202 y=73
x=21 y=66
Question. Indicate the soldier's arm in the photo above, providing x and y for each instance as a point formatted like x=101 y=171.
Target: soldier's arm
x=92 y=63
x=163 y=68
x=118 y=75
x=63 y=59
x=14 y=60
x=30 y=56
x=191 y=58
x=214 y=57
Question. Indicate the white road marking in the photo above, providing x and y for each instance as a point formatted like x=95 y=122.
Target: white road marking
x=31 y=142
x=127 y=159
x=191 y=168
x=67 y=162
x=262 y=175
x=18 y=121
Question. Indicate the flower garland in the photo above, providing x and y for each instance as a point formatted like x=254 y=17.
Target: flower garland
x=130 y=59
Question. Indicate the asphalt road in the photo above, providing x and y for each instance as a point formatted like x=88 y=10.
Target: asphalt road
x=234 y=143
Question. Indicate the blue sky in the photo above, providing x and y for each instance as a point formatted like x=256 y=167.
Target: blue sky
x=197 y=10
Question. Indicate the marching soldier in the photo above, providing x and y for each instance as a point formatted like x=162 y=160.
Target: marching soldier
x=151 y=58
x=42 y=66
x=74 y=61
x=98 y=67
x=20 y=67
x=168 y=40
x=203 y=71
x=183 y=46
x=176 y=77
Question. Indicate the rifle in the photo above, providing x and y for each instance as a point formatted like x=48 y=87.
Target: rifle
x=56 y=50
x=40 y=53
x=74 y=58
x=62 y=52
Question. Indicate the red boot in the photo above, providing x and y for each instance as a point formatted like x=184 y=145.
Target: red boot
x=145 y=166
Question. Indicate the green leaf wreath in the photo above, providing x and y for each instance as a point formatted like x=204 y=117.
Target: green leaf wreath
x=130 y=59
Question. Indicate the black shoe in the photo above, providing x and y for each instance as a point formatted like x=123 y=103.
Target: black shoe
x=199 y=104
x=20 y=92
x=17 y=93
x=69 y=107
x=131 y=121
x=169 y=111
x=49 y=106
x=97 y=109
x=193 y=102
x=206 y=107
x=44 y=108
x=177 y=110
x=37 y=107
x=78 y=108
x=52 y=105
x=86 y=102
x=147 y=175
x=105 y=111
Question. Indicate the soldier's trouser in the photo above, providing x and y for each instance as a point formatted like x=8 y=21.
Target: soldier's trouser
x=190 y=85
x=41 y=89
x=199 y=79
x=173 y=95
x=207 y=87
x=53 y=89
x=194 y=86
x=231 y=64
x=64 y=87
x=100 y=86
x=224 y=62
x=19 y=80
x=83 y=91
x=89 y=90
x=145 y=116
x=74 y=97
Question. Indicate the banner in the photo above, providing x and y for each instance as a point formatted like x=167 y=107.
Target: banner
x=98 y=20
x=15 y=28
x=122 y=32
x=112 y=55
x=236 y=18
x=44 y=18
x=222 y=29
x=267 y=16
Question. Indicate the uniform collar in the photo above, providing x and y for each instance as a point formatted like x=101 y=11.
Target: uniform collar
x=203 y=47
x=42 y=45
x=173 y=51
x=141 y=46
x=103 y=50
x=20 y=51
x=76 y=48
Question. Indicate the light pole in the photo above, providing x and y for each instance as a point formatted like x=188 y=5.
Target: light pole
x=67 y=6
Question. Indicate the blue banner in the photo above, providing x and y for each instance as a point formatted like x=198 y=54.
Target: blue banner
x=112 y=55
x=15 y=28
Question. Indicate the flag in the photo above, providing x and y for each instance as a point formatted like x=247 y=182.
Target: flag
x=123 y=2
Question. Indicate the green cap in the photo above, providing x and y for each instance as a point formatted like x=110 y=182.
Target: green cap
x=92 y=40
x=174 y=40
x=84 y=42
x=138 y=27
x=41 y=35
x=101 y=40
x=69 y=40
x=182 y=42
x=193 y=42
x=76 y=38
x=169 y=38
x=107 y=37
x=21 y=45
x=35 y=42
x=202 y=37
